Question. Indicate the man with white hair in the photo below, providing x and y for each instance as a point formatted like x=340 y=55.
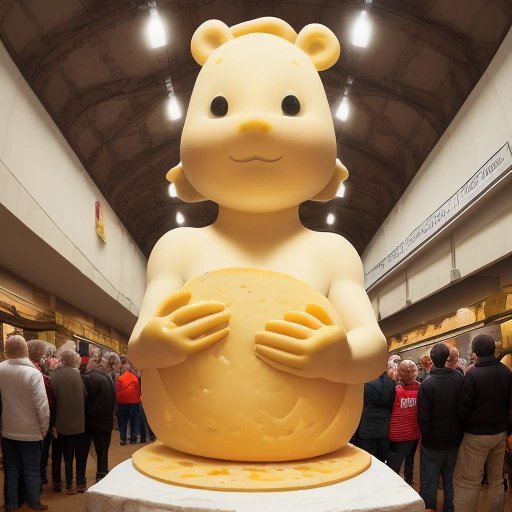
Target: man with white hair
x=25 y=420
x=379 y=396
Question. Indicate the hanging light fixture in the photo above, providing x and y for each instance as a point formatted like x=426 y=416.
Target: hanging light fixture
x=343 y=110
x=180 y=219
x=362 y=28
x=330 y=219
x=156 y=30
x=341 y=190
x=172 y=190
x=173 y=107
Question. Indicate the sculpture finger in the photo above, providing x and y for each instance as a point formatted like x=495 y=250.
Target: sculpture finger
x=288 y=329
x=173 y=302
x=279 y=342
x=191 y=312
x=272 y=355
x=303 y=318
x=202 y=326
x=319 y=313
x=207 y=341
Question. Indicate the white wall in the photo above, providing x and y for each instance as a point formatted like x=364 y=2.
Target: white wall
x=44 y=185
x=481 y=127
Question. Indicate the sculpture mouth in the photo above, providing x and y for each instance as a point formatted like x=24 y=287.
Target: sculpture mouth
x=253 y=158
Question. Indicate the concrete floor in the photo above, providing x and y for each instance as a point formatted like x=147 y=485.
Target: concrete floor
x=60 y=502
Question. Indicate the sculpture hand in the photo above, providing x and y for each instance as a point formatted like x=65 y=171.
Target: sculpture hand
x=183 y=329
x=307 y=344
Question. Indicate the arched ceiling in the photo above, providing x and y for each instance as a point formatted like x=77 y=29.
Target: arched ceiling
x=90 y=65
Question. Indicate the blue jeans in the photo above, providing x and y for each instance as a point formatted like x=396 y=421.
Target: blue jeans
x=432 y=464
x=398 y=451
x=21 y=460
x=128 y=413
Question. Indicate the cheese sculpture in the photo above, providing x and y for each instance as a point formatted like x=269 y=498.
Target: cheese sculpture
x=256 y=335
x=225 y=402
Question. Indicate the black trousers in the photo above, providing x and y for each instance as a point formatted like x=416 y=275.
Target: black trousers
x=101 y=442
x=68 y=446
x=56 y=460
x=45 y=453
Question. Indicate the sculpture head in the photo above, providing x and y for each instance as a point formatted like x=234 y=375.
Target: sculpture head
x=259 y=135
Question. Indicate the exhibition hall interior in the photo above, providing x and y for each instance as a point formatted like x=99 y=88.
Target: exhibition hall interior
x=246 y=219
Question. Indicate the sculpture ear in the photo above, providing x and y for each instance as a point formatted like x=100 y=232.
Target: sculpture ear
x=329 y=191
x=184 y=190
x=320 y=44
x=207 y=38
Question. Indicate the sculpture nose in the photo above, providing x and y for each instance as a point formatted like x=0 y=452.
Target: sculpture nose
x=254 y=125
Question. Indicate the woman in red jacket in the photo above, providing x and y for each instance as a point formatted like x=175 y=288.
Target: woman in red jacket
x=128 y=400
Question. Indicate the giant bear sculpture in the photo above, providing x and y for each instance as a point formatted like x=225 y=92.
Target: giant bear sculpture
x=256 y=335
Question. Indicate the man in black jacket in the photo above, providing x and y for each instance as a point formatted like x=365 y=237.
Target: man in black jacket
x=99 y=414
x=379 y=396
x=441 y=431
x=484 y=409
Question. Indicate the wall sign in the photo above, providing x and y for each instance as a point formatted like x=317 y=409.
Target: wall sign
x=489 y=175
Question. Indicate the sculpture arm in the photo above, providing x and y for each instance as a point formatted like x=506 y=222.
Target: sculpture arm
x=169 y=327
x=366 y=345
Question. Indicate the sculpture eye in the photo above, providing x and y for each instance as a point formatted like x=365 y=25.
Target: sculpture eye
x=219 y=106
x=290 y=105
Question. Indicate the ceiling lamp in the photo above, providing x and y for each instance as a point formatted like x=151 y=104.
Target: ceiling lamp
x=172 y=190
x=156 y=30
x=180 y=219
x=340 y=192
x=330 y=219
x=173 y=107
x=362 y=28
x=343 y=110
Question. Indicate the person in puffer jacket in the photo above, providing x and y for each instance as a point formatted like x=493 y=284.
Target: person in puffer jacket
x=403 y=425
x=128 y=403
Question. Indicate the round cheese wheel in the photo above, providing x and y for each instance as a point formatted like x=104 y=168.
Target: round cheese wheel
x=226 y=403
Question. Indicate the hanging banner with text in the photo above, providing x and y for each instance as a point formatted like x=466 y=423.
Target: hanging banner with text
x=489 y=175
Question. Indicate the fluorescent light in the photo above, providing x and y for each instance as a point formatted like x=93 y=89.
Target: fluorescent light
x=341 y=190
x=172 y=190
x=156 y=30
x=180 y=219
x=330 y=219
x=343 y=110
x=173 y=107
x=362 y=31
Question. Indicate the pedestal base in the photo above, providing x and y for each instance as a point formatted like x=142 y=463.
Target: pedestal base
x=379 y=489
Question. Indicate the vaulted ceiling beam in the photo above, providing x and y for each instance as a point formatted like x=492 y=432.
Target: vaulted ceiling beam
x=405 y=17
x=426 y=105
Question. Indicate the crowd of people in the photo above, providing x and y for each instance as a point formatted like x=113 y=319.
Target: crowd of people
x=459 y=414
x=55 y=401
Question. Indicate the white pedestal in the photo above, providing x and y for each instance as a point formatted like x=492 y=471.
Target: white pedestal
x=378 y=489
